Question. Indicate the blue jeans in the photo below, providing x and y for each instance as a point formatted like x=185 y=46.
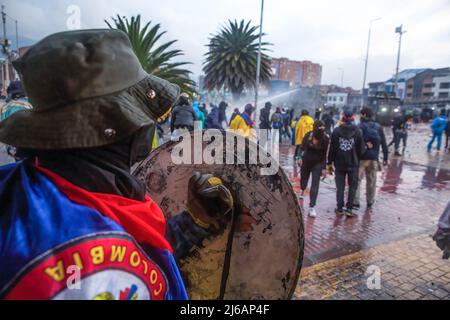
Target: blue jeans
x=439 y=141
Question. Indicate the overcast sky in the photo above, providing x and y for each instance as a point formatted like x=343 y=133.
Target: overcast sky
x=330 y=32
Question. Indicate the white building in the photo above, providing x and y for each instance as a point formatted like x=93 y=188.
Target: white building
x=337 y=99
x=441 y=86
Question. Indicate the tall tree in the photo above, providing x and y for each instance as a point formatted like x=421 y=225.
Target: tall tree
x=231 y=60
x=156 y=58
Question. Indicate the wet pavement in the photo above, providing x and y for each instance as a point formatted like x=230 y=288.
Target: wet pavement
x=411 y=195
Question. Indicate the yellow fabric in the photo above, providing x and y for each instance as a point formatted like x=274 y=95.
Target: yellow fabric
x=155 y=143
x=304 y=125
x=239 y=126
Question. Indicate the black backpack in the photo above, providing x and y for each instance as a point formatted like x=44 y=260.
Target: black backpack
x=371 y=133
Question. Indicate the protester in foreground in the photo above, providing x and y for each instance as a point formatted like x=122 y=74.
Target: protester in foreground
x=438 y=127
x=73 y=203
x=346 y=149
x=313 y=160
x=374 y=138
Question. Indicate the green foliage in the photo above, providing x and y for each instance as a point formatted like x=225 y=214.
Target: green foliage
x=232 y=58
x=155 y=59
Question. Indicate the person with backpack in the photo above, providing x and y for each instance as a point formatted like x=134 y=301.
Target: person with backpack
x=438 y=127
x=313 y=160
x=216 y=116
x=374 y=138
x=346 y=149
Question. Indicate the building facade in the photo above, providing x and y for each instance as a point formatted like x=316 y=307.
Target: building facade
x=298 y=73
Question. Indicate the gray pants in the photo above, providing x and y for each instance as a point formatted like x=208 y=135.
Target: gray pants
x=368 y=168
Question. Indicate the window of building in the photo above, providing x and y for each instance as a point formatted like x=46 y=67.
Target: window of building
x=341 y=99
x=410 y=86
x=445 y=85
x=427 y=94
x=334 y=98
x=443 y=94
x=428 y=85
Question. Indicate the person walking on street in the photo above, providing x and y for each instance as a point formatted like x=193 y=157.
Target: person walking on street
x=264 y=117
x=374 y=138
x=327 y=118
x=346 y=149
x=304 y=125
x=313 y=160
x=447 y=134
x=399 y=130
x=438 y=127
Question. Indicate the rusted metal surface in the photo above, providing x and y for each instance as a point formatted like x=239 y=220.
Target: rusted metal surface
x=267 y=246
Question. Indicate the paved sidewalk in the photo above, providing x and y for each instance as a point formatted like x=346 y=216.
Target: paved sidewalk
x=410 y=268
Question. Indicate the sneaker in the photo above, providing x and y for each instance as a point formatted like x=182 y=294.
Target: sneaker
x=356 y=206
x=350 y=213
x=339 y=211
x=312 y=212
x=397 y=154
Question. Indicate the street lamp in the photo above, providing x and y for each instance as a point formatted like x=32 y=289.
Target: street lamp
x=258 y=63
x=367 y=60
x=400 y=31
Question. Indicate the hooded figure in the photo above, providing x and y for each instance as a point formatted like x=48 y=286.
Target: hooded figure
x=346 y=149
x=72 y=204
x=264 y=116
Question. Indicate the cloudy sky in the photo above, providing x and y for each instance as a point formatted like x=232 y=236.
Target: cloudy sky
x=330 y=32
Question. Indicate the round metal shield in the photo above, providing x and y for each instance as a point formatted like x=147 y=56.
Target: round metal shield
x=265 y=249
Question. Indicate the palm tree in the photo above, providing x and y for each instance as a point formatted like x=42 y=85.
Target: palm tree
x=232 y=57
x=155 y=59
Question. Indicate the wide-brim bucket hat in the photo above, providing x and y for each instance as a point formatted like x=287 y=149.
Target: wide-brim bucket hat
x=88 y=89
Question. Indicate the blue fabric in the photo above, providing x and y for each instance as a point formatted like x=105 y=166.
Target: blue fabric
x=437 y=136
x=36 y=218
x=439 y=124
x=246 y=118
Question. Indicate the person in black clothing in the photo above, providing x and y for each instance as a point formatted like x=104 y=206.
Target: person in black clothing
x=313 y=159
x=183 y=115
x=399 y=133
x=346 y=148
x=374 y=138
x=447 y=134
x=264 y=116
x=328 y=120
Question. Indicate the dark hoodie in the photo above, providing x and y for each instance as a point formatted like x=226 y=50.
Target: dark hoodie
x=346 y=146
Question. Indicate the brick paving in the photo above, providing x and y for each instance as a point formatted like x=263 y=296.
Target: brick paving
x=412 y=193
x=410 y=269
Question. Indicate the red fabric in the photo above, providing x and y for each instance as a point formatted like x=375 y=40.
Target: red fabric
x=143 y=220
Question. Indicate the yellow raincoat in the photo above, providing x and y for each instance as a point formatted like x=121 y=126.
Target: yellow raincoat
x=302 y=127
x=239 y=126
